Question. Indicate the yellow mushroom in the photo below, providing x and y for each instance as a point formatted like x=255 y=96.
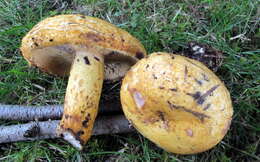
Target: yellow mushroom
x=89 y=50
x=177 y=103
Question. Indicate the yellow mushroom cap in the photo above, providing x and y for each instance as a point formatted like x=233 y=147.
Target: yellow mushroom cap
x=89 y=50
x=177 y=103
x=52 y=43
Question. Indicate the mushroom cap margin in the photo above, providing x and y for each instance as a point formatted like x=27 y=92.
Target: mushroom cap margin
x=79 y=30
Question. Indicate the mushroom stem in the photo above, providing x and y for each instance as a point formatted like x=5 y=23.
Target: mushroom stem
x=40 y=113
x=82 y=97
x=46 y=130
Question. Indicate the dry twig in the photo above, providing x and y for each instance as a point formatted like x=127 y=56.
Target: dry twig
x=47 y=129
x=30 y=113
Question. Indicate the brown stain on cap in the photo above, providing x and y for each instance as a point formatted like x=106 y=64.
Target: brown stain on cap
x=94 y=37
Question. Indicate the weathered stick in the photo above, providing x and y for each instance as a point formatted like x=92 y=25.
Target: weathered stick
x=47 y=129
x=30 y=113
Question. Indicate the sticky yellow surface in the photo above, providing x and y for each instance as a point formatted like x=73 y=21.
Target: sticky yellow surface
x=82 y=96
x=56 y=43
x=81 y=31
x=177 y=103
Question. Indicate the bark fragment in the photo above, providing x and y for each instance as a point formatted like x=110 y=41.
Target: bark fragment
x=200 y=116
